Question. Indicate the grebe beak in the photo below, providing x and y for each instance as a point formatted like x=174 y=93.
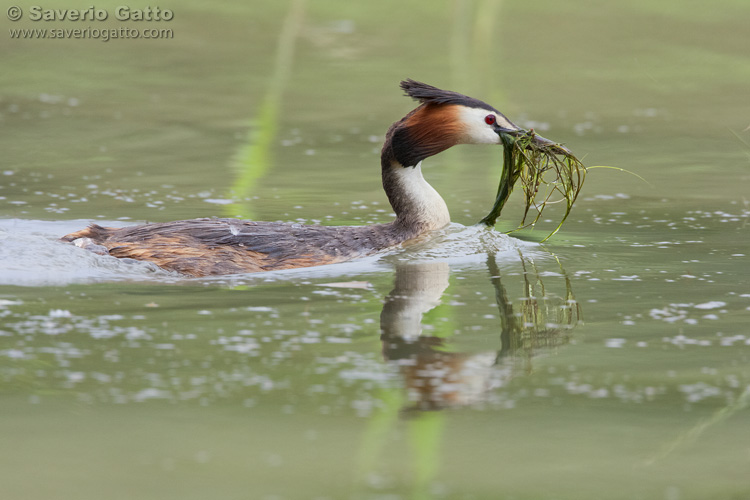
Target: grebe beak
x=537 y=139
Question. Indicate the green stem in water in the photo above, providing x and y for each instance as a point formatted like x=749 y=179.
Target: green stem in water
x=507 y=180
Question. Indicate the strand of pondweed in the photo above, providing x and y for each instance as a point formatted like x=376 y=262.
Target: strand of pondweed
x=532 y=162
x=620 y=170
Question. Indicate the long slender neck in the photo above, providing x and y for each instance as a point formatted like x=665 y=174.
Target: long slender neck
x=419 y=208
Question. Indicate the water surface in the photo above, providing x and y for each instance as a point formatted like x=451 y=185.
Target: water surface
x=609 y=362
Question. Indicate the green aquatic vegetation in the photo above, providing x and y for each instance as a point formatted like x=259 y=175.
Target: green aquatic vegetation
x=254 y=158
x=548 y=174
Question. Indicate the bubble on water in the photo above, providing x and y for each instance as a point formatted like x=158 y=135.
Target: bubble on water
x=338 y=340
x=75 y=377
x=699 y=391
x=681 y=340
x=615 y=343
x=13 y=354
x=634 y=277
x=49 y=98
x=710 y=305
x=667 y=314
x=731 y=340
x=59 y=313
x=220 y=201
x=151 y=393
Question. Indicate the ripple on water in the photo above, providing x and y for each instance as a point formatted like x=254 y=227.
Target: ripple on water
x=32 y=255
x=458 y=243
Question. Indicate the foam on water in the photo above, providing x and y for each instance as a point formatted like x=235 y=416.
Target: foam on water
x=32 y=255
x=458 y=244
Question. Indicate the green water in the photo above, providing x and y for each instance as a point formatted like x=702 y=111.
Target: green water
x=611 y=362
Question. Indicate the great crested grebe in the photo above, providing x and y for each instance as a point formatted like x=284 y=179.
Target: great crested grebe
x=212 y=246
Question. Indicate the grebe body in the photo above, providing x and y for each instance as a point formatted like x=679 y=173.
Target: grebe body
x=204 y=247
x=211 y=246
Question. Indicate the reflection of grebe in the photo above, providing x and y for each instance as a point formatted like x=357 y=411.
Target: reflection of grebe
x=202 y=247
x=436 y=378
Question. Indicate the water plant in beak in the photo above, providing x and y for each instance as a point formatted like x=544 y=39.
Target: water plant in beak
x=536 y=162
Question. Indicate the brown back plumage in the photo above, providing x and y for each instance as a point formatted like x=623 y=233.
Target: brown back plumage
x=203 y=247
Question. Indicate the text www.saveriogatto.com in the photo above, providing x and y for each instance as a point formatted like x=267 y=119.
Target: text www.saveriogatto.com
x=123 y=13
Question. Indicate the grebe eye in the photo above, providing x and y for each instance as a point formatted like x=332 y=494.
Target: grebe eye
x=490 y=119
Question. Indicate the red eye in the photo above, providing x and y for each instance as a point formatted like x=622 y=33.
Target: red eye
x=490 y=119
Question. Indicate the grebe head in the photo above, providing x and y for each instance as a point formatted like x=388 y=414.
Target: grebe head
x=445 y=119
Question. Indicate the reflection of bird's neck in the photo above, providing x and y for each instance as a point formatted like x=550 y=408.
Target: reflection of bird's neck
x=417 y=290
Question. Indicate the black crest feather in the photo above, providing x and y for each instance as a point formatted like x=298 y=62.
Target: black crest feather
x=427 y=94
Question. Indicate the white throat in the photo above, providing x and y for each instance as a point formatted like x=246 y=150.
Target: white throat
x=426 y=204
